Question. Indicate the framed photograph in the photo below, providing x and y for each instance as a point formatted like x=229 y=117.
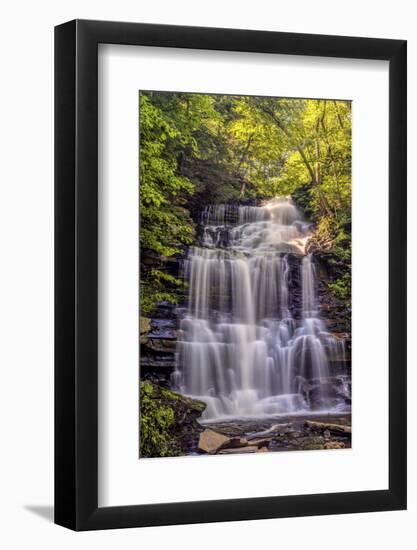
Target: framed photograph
x=230 y=275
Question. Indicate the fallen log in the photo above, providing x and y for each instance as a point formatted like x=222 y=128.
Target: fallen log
x=273 y=430
x=237 y=450
x=336 y=429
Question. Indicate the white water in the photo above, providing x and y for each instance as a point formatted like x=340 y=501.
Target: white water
x=240 y=350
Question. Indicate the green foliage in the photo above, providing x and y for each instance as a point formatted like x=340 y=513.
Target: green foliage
x=165 y=224
x=166 y=418
x=341 y=287
x=334 y=237
x=156 y=420
x=197 y=149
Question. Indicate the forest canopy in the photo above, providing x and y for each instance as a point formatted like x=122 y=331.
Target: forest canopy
x=200 y=149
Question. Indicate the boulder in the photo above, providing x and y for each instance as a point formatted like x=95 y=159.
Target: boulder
x=211 y=442
x=334 y=445
x=237 y=442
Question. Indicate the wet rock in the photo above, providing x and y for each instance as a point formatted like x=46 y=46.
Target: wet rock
x=144 y=325
x=152 y=363
x=161 y=345
x=164 y=311
x=158 y=344
x=265 y=442
x=211 y=442
x=236 y=442
x=163 y=328
x=331 y=324
x=158 y=369
x=159 y=378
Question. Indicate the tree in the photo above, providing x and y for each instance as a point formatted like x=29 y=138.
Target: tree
x=197 y=149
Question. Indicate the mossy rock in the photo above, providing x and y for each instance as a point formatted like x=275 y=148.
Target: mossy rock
x=144 y=325
x=314 y=444
x=168 y=422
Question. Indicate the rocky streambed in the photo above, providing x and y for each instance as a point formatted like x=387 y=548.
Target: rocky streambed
x=171 y=425
x=296 y=433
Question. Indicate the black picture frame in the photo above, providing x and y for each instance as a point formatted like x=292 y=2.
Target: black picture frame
x=76 y=271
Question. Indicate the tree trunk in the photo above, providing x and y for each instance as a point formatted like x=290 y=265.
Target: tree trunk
x=339 y=118
x=300 y=150
x=338 y=429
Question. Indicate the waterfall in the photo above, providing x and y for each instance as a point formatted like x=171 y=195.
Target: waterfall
x=241 y=348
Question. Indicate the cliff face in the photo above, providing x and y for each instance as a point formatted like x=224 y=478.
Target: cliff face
x=158 y=335
x=157 y=345
x=336 y=310
x=159 y=332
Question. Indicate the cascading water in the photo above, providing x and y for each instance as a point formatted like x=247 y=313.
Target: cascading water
x=241 y=350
